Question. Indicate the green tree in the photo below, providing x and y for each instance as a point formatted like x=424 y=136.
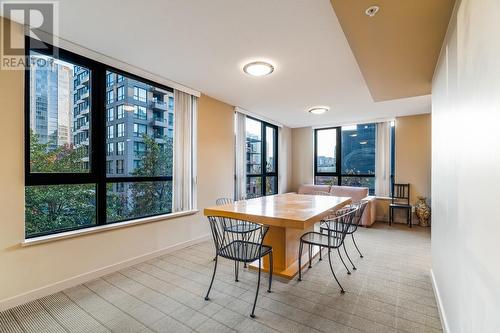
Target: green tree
x=57 y=207
x=150 y=197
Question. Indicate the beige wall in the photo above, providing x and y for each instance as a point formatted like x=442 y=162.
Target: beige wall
x=465 y=164
x=413 y=154
x=285 y=160
x=62 y=263
x=302 y=157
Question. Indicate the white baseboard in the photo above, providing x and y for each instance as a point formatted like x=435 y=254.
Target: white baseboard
x=442 y=314
x=11 y=302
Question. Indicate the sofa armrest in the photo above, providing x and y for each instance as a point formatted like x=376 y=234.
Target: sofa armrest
x=369 y=214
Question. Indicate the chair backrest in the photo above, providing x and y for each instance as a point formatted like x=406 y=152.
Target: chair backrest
x=338 y=226
x=401 y=192
x=227 y=232
x=359 y=212
x=223 y=201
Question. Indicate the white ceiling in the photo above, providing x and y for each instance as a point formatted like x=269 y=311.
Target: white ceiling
x=204 y=43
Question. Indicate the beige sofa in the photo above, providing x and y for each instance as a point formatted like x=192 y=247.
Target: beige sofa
x=355 y=193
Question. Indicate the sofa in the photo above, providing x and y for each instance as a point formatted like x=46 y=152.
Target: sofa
x=355 y=193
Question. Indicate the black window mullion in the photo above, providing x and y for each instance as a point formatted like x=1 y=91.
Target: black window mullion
x=99 y=135
x=338 y=156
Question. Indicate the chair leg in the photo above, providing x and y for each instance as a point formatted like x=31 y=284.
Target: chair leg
x=347 y=254
x=411 y=217
x=211 y=282
x=236 y=269
x=245 y=263
x=390 y=216
x=257 y=292
x=270 y=271
x=320 y=250
x=300 y=260
x=334 y=276
x=360 y=254
x=342 y=259
x=310 y=255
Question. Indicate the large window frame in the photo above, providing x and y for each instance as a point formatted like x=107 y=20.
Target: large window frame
x=338 y=158
x=264 y=174
x=96 y=174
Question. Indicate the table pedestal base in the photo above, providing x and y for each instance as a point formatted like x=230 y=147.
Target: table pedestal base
x=285 y=243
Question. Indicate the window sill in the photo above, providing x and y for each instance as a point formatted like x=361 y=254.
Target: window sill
x=101 y=228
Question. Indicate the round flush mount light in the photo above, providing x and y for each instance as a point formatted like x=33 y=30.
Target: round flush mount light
x=258 y=68
x=372 y=10
x=318 y=109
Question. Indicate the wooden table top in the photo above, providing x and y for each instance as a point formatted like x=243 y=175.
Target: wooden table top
x=288 y=210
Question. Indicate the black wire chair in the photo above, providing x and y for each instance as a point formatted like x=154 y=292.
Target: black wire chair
x=234 y=241
x=337 y=228
x=360 y=209
x=331 y=216
x=242 y=227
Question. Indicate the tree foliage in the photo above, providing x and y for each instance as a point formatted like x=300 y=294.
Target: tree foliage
x=52 y=208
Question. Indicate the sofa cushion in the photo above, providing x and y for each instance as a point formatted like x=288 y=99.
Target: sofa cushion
x=310 y=188
x=356 y=193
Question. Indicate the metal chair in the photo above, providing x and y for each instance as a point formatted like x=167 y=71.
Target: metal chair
x=233 y=244
x=243 y=228
x=331 y=216
x=400 y=200
x=352 y=228
x=334 y=238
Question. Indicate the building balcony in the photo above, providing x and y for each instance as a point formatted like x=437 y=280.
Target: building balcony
x=158 y=122
x=159 y=105
x=84 y=111
x=159 y=139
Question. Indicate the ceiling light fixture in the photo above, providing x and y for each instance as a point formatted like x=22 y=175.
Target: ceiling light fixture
x=363 y=142
x=318 y=109
x=258 y=68
x=372 y=10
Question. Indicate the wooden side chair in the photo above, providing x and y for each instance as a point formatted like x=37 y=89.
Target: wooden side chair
x=400 y=200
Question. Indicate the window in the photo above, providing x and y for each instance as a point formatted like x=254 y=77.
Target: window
x=110 y=114
x=262 y=153
x=110 y=96
x=140 y=112
x=120 y=130
x=120 y=148
x=140 y=130
x=345 y=156
x=120 y=93
x=119 y=112
x=110 y=149
x=119 y=167
x=67 y=146
x=139 y=148
x=110 y=78
x=111 y=132
x=140 y=94
x=109 y=167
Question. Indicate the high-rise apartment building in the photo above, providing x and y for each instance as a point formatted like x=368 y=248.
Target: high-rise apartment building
x=134 y=109
x=51 y=88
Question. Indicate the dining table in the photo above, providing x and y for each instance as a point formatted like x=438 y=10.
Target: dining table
x=288 y=217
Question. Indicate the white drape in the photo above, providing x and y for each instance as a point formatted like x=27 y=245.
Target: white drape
x=184 y=177
x=383 y=160
x=240 y=159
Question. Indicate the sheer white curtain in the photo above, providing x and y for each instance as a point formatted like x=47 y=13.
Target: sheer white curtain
x=383 y=160
x=185 y=109
x=240 y=159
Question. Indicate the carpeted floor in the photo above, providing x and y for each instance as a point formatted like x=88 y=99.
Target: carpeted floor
x=390 y=291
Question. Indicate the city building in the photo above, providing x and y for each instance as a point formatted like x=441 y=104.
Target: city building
x=51 y=88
